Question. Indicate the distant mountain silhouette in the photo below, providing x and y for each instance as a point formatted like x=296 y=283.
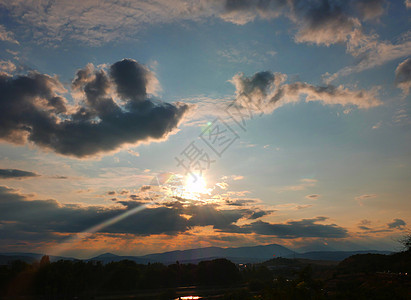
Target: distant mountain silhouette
x=109 y=257
x=335 y=255
x=106 y=255
x=245 y=254
x=254 y=254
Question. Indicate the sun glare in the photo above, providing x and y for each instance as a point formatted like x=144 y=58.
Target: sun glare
x=194 y=189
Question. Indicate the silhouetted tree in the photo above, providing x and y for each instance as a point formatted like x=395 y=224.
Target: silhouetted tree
x=406 y=241
x=218 y=271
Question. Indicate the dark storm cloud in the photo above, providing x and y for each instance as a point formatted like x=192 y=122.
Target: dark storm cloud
x=32 y=108
x=397 y=223
x=14 y=173
x=403 y=76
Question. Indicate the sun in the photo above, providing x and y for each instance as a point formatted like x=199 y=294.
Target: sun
x=195 y=189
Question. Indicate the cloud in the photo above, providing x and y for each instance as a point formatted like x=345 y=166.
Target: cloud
x=134 y=153
x=208 y=215
x=397 y=223
x=328 y=94
x=365 y=196
x=296 y=229
x=328 y=22
x=322 y=22
x=265 y=91
x=32 y=108
x=100 y=22
x=319 y=22
x=325 y=22
x=304 y=183
x=222 y=185
x=370 y=9
x=365 y=225
x=258 y=214
x=7 y=36
x=16 y=174
x=403 y=76
x=371 y=52
x=7 y=66
x=239 y=202
x=32 y=220
x=242 y=12
x=377 y=125
x=41 y=216
x=313 y=196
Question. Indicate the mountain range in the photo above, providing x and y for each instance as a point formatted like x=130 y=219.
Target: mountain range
x=252 y=254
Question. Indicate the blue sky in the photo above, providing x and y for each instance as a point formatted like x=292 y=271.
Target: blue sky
x=99 y=98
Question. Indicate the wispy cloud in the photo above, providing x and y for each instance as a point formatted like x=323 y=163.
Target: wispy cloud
x=371 y=52
x=313 y=196
x=304 y=184
x=7 y=66
x=360 y=199
x=97 y=22
x=134 y=153
x=7 y=36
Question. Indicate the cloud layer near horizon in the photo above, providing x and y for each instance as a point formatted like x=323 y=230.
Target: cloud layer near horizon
x=114 y=109
x=21 y=217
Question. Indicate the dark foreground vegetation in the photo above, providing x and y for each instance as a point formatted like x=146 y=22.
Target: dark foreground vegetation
x=365 y=276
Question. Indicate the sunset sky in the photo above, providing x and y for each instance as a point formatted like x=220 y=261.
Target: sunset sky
x=135 y=127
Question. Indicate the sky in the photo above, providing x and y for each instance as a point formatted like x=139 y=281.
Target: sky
x=137 y=127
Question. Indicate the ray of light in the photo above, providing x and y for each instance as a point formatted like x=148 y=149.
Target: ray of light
x=173 y=187
x=78 y=237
